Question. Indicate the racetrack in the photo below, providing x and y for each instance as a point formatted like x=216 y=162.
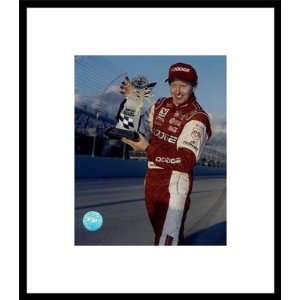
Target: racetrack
x=125 y=221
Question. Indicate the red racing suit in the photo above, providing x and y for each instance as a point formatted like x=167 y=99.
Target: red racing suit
x=178 y=136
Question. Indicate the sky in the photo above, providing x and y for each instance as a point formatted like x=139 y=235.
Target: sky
x=93 y=74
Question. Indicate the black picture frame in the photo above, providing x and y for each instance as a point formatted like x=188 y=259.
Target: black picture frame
x=25 y=4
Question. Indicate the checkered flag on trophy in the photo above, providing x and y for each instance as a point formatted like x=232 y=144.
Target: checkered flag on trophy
x=136 y=91
x=127 y=122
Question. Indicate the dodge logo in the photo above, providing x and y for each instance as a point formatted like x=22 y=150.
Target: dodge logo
x=165 y=137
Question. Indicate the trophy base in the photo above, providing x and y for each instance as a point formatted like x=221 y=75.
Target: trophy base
x=116 y=133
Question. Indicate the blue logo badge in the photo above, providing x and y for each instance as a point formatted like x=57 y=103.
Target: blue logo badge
x=92 y=220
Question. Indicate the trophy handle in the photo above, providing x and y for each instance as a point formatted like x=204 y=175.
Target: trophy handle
x=152 y=84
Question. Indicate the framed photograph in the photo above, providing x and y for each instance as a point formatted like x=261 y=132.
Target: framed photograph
x=146 y=125
x=110 y=174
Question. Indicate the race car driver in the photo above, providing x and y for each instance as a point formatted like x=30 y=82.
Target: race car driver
x=179 y=129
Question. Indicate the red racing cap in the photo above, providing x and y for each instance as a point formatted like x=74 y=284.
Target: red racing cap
x=183 y=72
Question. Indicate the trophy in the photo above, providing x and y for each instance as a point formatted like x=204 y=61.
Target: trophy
x=136 y=91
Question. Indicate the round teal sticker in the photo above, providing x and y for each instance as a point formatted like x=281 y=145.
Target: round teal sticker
x=92 y=220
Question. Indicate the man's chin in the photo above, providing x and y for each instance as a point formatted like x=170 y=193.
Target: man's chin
x=179 y=101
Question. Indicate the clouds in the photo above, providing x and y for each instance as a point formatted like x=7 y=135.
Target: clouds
x=218 y=138
x=106 y=103
x=77 y=98
x=81 y=101
x=113 y=89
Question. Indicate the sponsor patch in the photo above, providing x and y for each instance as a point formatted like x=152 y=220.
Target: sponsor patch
x=180 y=69
x=196 y=134
x=159 y=121
x=163 y=112
x=173 y=129
x=168 y=160
x=179 y=115
x=191 y=144
x=175 y=122
x=164 y=136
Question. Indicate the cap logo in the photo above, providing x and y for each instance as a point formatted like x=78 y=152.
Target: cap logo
x=180 y=69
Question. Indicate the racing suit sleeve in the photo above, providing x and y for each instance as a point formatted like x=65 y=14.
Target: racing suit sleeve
x=189 y=146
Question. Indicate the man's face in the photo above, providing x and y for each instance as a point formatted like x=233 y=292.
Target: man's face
x=180 y=91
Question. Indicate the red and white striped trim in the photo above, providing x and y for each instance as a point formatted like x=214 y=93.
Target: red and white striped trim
x=178 y=189
x=152 y=165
